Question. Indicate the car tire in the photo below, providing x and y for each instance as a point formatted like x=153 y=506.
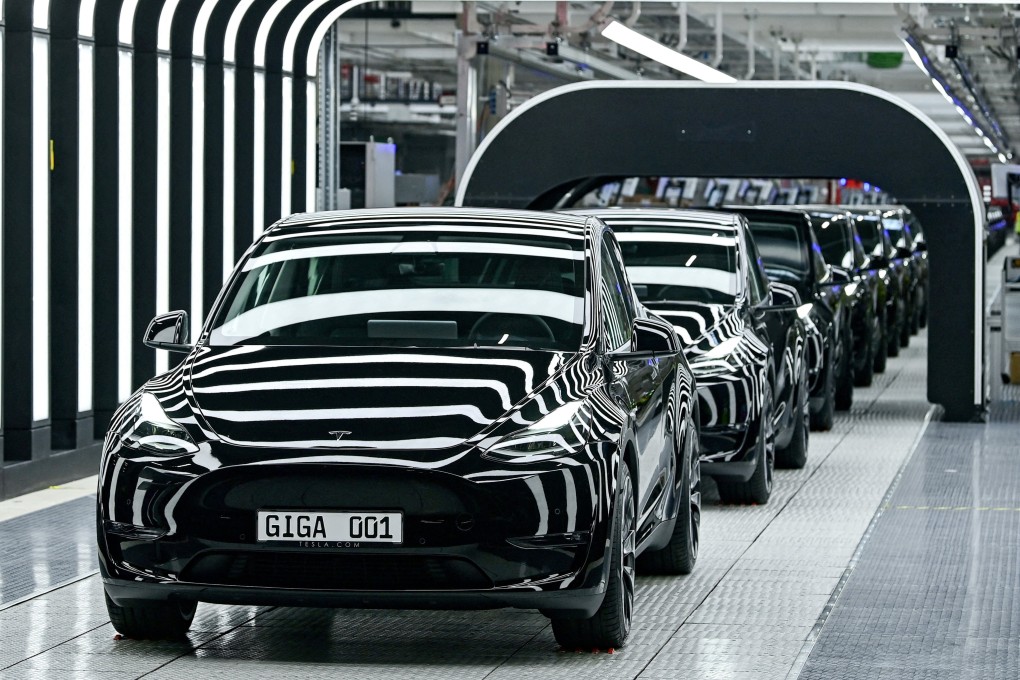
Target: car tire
x=168 y=620
x=923 y=319
x=866 y=375
x=681 y=553
x=823 y=418
x=905 y=327
x=915 y=320
x=757 y=489
x=845 y=384
x=794 y=455
x=892 y=334
x=610 y=626
x=881 y=350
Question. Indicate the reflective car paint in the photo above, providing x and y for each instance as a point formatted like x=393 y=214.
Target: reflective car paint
x=830 y=342
x=483 y=526
x=734 y=349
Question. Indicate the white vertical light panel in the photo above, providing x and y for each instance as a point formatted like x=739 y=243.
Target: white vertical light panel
x=162 y=196
x=86 y=130
x=259 y=157
x=1 y=196
x=286 y=145
x=124 y=223
x=86 y=18
x=40 y=168
x=310 y=134
x=197 y=194
x=228 y=170
x=40 y=14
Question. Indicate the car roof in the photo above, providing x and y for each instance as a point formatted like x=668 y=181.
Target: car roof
x=664 y=217
x=365 y=219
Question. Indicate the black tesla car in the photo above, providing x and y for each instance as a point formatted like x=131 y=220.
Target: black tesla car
x=792 y=257
x=700 y=271
x=908 y=234
x=434 y=408
x=842 y=250
x=895 y=220
x=890 y=265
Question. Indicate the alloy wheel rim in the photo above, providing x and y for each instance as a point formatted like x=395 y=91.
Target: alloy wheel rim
x=628 y=544
x=695 y=491
x=770 y=446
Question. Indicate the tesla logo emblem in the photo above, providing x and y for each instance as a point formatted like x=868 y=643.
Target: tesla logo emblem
x=339 y=434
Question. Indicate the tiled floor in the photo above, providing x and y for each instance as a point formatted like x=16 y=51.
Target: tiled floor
x=764 y=577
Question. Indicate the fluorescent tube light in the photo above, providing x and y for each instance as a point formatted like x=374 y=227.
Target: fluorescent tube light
x=655 y=51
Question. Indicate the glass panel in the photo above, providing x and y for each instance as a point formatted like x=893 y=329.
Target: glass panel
x=418 y=288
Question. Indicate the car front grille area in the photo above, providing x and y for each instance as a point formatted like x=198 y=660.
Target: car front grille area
x=336 y=571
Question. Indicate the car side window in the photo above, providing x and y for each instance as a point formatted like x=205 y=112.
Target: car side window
x=626 y=290
x=821 y=269
x=758 y=290
x=612 y=300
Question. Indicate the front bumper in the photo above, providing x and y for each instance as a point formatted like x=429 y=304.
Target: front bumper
x=173 y=528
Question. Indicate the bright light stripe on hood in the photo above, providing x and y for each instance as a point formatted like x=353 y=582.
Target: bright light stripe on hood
x=395 y=412
x=359 y=383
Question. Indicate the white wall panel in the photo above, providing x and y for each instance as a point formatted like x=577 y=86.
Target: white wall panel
x=259 y=157
x=228 y=171
x=162 y=196
x=310 y=136
x=287 y=146
x=40 y=169
x=197 y=194
x=86 y=132
x=125 y=169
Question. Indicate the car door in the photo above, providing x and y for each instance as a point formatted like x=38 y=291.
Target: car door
x=774 y=327
x=638 y=382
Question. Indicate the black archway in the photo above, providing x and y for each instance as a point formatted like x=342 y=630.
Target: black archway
x=785 y=130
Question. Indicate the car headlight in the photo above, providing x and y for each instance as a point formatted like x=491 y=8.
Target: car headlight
x=561 y=432
x=851 y=289
x=151 y=429
x=804 y=311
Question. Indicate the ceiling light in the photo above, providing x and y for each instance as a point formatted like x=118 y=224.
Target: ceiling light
x=655 y=51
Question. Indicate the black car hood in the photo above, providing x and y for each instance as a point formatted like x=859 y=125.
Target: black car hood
x=695 y=322
x=357 y=398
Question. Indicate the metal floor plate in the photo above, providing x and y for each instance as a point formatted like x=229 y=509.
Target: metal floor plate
x=764 y=576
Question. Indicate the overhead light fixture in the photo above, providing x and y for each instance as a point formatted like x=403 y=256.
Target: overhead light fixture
x=655 y=51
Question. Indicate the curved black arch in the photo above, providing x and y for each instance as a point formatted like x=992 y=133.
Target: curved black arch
x=786 y=130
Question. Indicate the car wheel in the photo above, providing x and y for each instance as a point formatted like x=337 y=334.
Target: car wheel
x=758 y=488
x=867 y=372
x=892 y=333
x=610 y=625
x=823 y=417
x=845 y=385
x=679 y=556
x=152 y=620
x=905 y=327
x=915 y=319
x=794 y=456
x=923 y=320
x=881 y=350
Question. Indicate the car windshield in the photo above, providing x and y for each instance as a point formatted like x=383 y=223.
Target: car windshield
x=833 y=234
x=683 y=265
x=782 y=248
x=408 y=288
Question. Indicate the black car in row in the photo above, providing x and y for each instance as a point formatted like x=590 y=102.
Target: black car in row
x=455 y=408
x=443 y=408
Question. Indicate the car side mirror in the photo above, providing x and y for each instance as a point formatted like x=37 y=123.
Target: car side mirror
x=921 y=246
x=168 y=331
x=839 y=275
x=651 y=339
x=877 y=262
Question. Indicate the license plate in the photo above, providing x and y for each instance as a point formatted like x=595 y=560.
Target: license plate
x=341 y=527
